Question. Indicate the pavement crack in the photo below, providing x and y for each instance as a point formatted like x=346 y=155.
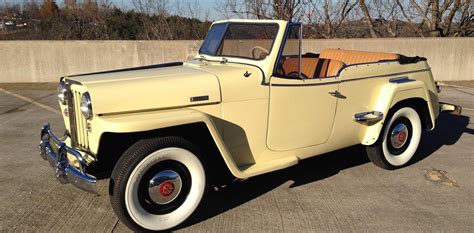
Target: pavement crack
x=115 y=226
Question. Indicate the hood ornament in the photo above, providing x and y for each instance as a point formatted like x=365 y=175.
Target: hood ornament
x=247 y=74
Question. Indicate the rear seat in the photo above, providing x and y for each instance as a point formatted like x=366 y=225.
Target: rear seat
x=313 y=67
x=350 y=57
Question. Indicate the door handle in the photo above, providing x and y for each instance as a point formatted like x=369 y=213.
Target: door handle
x=337 y=94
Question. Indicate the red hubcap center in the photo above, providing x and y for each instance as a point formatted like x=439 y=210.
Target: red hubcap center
x=402 y=136
x=166 y=188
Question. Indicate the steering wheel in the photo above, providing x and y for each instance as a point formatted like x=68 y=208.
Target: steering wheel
x=294 y=74
x=261 y=55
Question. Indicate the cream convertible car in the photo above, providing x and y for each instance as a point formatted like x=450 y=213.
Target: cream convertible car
x=250 y=103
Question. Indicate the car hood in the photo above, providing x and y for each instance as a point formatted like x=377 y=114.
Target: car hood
x=148 y=88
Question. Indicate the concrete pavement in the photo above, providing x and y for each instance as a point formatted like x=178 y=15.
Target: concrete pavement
x=339 y=191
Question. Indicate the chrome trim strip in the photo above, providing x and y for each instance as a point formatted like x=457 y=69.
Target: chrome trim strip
x=362 y=78
x=157 y=109
x=306 y=84
x=55 y=151
x=386 y=75
x=132 y=68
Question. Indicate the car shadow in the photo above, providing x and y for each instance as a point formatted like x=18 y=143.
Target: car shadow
x=449 y=129
x=307 y=171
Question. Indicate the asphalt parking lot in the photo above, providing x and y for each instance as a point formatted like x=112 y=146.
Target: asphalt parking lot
x=339 y=191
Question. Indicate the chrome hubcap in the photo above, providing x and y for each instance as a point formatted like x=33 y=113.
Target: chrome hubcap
x=164 y=187
x=399 y=135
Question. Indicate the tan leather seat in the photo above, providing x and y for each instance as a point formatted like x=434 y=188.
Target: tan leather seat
x=313 y=67
x=354 y=57
x=308 y=66
x=328 y=68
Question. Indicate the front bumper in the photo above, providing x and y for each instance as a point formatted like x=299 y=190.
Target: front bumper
x=56 y=152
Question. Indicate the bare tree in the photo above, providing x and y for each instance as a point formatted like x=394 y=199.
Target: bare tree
x=290 y=10
x=368 y=19
x=439 y=16
x=388 y=15
x=155 y=27
x=329 y=16
x=31 y=7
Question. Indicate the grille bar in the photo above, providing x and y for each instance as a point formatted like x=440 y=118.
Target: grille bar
x=72 y=114
x=79 y=135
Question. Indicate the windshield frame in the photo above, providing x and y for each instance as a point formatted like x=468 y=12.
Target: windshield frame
x=282 y=47
x=240 y=23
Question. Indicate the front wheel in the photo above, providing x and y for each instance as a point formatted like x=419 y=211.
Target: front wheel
x=398 y=140
x=157 y=184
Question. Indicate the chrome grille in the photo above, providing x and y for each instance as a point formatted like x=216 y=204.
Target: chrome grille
x=78 y=125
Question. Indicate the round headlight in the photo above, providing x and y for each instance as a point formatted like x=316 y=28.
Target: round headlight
x=86 y=105
x=62 y=92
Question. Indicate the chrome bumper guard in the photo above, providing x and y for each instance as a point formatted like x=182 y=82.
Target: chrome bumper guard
x=55 y=151
x=450 y=108
x=368 y=117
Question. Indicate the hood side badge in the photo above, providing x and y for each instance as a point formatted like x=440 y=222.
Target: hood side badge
x=247 y=74
x=199 y=98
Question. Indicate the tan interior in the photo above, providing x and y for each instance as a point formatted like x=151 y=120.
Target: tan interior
x=353 y=57
x=313 y=67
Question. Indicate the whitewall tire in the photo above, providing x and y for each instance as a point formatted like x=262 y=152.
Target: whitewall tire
x=157 y=184
x=398 y=141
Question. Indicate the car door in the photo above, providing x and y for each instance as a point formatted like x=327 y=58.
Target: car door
x=302 y=105
x=301 y=112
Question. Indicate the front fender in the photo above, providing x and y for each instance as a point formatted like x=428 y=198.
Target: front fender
x=146 y=121
x=391 y=94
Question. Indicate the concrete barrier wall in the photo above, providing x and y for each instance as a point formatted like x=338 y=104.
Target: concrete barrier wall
x=46 y=61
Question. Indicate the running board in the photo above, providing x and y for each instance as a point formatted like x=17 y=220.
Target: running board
x=268 y=166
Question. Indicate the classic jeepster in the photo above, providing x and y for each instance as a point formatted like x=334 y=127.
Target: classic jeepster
x=250 y=103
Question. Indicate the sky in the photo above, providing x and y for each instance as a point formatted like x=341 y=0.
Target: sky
x=205 y=5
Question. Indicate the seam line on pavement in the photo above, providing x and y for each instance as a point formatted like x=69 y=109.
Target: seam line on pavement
x=43 y=106
x=467 y=93
x=441 y=83
x=25 y=104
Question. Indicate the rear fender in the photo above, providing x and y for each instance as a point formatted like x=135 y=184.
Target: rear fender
x=391 y=94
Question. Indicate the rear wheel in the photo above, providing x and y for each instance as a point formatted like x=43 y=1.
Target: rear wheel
x=398 y=141
x=157 y=184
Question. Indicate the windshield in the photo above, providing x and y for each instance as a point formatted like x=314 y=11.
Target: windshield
x=243 y=40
